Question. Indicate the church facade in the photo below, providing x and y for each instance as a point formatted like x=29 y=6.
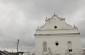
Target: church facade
x=56 y=37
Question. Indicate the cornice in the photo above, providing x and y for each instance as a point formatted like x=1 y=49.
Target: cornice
x=57 y=34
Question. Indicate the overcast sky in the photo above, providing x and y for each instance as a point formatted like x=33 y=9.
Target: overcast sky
x=20 y=18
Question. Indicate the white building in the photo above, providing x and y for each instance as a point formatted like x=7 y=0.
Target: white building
x=56 y=37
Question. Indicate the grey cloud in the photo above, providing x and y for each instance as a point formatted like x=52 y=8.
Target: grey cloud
x=81 y=28
x=26 y=15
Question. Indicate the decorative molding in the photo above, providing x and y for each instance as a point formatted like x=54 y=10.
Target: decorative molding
x=56 y=29
x=57 y=34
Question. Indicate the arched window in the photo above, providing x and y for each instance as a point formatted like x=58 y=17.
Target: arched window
x=44 y=46
x=69 y=43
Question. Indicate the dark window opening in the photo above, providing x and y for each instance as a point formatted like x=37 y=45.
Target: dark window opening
x=55 y=27
x=70 y=50
x=56 y=43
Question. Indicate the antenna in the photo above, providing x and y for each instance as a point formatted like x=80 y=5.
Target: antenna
x=17 y=45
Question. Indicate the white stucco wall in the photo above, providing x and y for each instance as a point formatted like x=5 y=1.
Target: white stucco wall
x=62 y=47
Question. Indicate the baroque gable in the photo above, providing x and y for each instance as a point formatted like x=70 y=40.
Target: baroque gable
x=55 y=22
